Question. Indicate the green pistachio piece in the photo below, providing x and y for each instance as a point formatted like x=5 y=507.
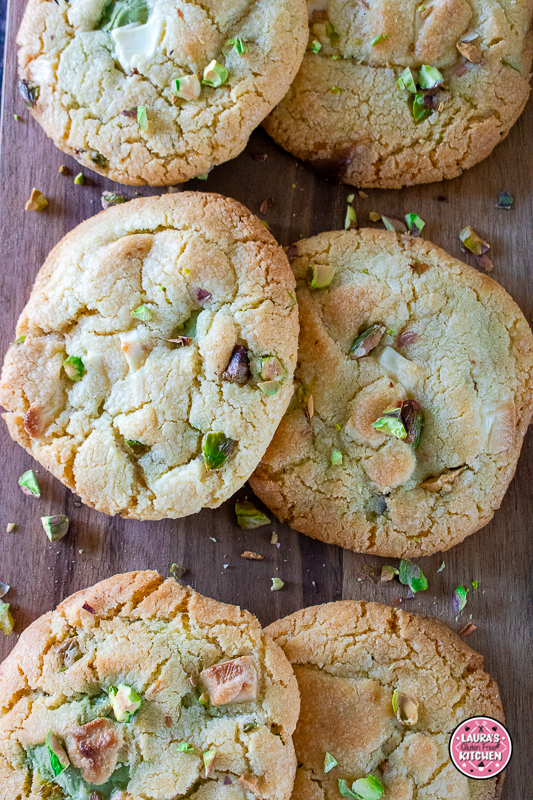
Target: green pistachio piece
x=367 y=341
x=142 y=118
x=209 y=757
x=248 y=516
x=419 y=109
x=124 y=701
x=204 y=699
x=185 y=747
x=321 y=275
x=98 y=159
x=272 y=369
x=504 y=61
x=188 y=87
x=188 y=328
x=391 y=424
x=78 y=180
x=377 y=39
x=429 y=77
x=336 y=458
x=136 y=447
x=216 y=448
x=414 y=223
x=277 y=584
x=19 y=340
x=58 y=758
x=329 y=762
x=368 y=788
x=37 y=201
x=332 y=35
x=250 y=726
x=29 y=92
x=473 y=242
x=505 y=200
x=238 y=45
x=6 y=620
x=407 y=81
x=74 y=368
x=112 y=199
x=269 y=387
x=405 y=706
x=350 y=220
x=117 y=13
x=412 y=576
x=29 y=484
x=215 y=74
x=316 y=47
x=143 y=313
x=55 y=527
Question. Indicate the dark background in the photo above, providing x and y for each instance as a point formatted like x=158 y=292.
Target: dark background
x=209 y=544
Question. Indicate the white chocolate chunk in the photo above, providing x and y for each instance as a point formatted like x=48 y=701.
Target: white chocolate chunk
x=135 y=44
x=132 y=348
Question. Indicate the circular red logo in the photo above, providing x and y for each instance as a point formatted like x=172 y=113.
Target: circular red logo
x=480 y=747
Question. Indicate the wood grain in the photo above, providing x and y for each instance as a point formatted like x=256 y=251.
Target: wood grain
x=210 y=544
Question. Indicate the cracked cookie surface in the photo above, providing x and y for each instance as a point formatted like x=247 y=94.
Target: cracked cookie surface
x=349 y=658
x=453 y=341
x=88 y=76
x=127 y=429
x=157 y=637
x=346 y=115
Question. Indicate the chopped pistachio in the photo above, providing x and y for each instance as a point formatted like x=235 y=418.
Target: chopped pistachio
x=29 y=92
x=209 y=757
x=441 y=567
x=16 y=117
x=388 y=573
x=336 y=458
x=473 y=242
x=391 y=423
x=419 y=109
x=367 y=341
x=142 y=118
x=185 y=747
x=187 y=87
x=316 y=47
x=414 y=224
x=177 y=571
x=350 y=220
x=64 y=170
x=124 y=701
x=377 y=39
x=507 y=63
x=329 y=762
x=204 y=699
x=505 y=200
x=321 y=275
x=56 y=753
x=472 y=52
x=74 y=368
x=37 y=201
x=429 y=77
x=143 y=313
x=292 y=298
x=78 y=180
x=6 y=619
x=412 y=576
x=271 y=369
x=99 y=159
x=248 y=516
x=202 y=177
x=188 y=327
x=277 y=584
x=249 y=726
x=374 y=216
x=216 y=448
x=238 y=45
x=405 y=706
x=392 y=224
x=55 y=527
x=215 y=74
x=136 y=447
x=407 y=81
x=29 y=484
x=332 y=35
x=11 y=527
x=112 y=199
x=19 y=340
x=459 y=598
x=335 y=90
x=122 y=12
x=274 y=538
x=475 y=584
x=369 y=788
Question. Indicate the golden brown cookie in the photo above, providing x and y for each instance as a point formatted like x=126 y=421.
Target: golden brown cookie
x=154 y=359
x=157 y=91
x=401 y=335
x=113 y=695
x=392 y=94
x=356 y=663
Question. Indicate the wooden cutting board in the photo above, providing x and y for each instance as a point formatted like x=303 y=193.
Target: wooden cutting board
x=209 y=544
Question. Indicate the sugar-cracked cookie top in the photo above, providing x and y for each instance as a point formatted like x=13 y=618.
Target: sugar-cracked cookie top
x=414 y=390
x=155 y=355
x=140 y=688
x=392 y=94
x=381 y=691
x=100 y=77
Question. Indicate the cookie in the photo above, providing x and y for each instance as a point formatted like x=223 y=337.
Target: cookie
x=394 y=94
x=352 y=661
x=155 y=357
x=157 y=91
x=414 y=392
x=139 y=687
